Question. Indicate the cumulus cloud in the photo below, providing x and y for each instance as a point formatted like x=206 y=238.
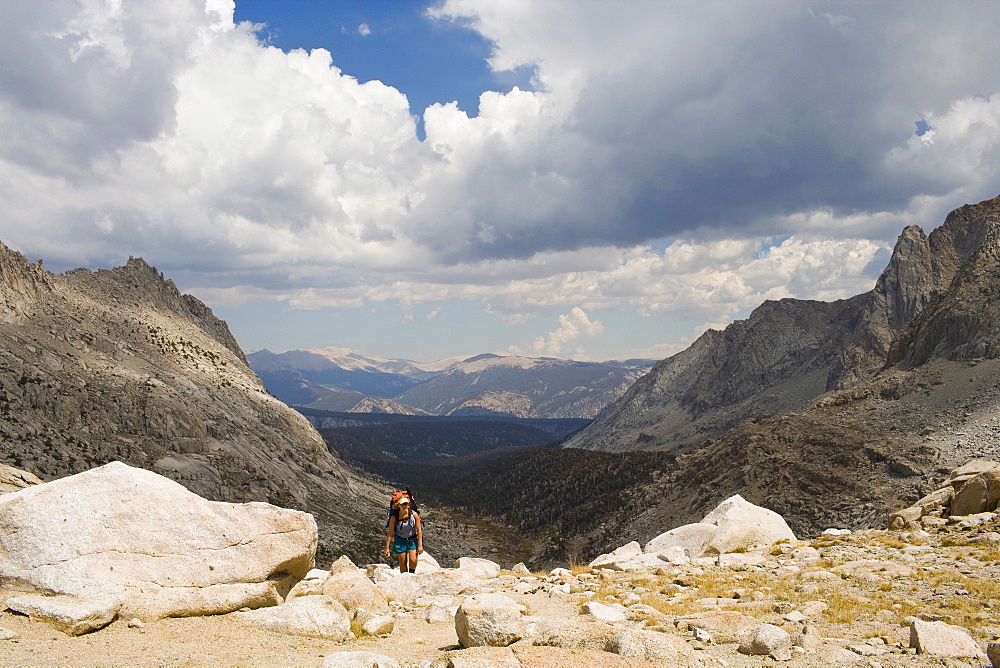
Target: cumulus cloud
x=770 y=145
x=573 y=326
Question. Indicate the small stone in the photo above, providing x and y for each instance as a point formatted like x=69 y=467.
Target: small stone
x=559 y=590
x=379 y=626
x=604 y=613
x=867 y=650
x=993 y=653
x=6 y=634
x=630 y=599
x=135 y=623
x=701 y=635
x=768 y=640
x=810 y=608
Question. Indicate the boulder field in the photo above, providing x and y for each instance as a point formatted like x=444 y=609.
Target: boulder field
x=125 y=549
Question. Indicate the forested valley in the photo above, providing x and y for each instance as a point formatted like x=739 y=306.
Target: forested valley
x=514 y=475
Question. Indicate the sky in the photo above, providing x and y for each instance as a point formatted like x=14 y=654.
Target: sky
x=421 y=180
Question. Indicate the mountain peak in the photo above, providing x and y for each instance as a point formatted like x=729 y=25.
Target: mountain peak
x=22 y=283
x=936 y=298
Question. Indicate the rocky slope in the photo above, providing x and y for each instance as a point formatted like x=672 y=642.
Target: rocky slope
x=119 y=365
x=789 y=352
x=831 y=414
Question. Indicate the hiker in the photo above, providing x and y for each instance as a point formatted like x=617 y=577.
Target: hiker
x=404 y=534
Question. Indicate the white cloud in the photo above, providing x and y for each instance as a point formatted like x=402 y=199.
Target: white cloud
x=364 y=30
x=573 y=326
x=771 y=144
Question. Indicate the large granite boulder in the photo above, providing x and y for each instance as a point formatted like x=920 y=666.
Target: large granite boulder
x=489 y=619
x=970 y=489
x=127 y=534
x=530 y=656
x=744 y=525
x=734 y=524
x=662 y=649
x=312 y=616
x=355 y=591
x=942 y=639
x=408 y=587
x=358 y=660
x=692 y=538
x=979 y=494
x=723 y=625
x=480 y=568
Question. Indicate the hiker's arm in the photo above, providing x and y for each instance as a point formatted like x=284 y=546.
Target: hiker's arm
x=420 y=535
x=388 y=534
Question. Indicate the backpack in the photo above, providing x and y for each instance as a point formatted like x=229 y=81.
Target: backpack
x=393 y=511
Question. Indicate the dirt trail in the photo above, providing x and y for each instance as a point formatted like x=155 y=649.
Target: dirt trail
x=224 y=640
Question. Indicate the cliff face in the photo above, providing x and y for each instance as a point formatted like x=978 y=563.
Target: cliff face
x=932 y=300
x=963 y=323
x=119 y=365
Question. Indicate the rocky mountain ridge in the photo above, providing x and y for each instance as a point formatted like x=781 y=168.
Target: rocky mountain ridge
x=790 y=352
x=119 y=365
x=827 y=436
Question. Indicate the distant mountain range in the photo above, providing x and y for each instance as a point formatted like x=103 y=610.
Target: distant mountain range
x=336 y=379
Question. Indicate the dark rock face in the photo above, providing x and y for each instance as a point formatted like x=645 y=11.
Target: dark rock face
x=964 y=322
x=934 y=300
x=119 y=365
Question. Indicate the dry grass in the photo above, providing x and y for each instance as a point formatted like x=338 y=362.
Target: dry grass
x=889 y=541
x=877 y=604
x=665 y=605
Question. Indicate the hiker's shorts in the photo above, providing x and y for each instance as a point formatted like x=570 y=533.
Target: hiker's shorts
x=401 y=545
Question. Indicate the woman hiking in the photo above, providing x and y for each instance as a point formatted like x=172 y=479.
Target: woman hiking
x=404 y=534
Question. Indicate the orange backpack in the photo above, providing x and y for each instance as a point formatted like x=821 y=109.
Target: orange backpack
x=394 y=510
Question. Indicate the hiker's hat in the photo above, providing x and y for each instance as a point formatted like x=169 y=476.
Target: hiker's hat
x=403 y=500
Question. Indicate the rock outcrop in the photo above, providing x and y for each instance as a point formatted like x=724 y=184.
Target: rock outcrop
x=970 y=490
x=134 y=541
x=13 y=480
x=734 y=526
x=119 y=365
